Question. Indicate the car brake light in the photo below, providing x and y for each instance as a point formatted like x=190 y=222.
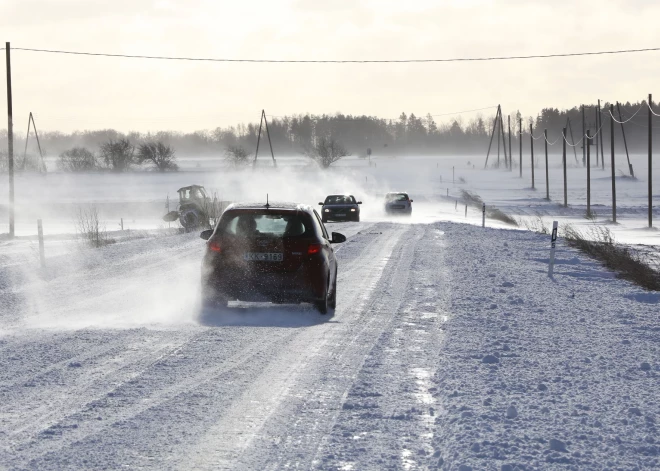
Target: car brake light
x=214 y=246
x=313 y=249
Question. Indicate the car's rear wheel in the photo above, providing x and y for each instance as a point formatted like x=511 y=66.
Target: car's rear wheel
x=332 y=303
x=324 y=304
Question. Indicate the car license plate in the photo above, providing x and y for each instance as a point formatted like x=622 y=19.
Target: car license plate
x=340 y=215
x=263 y=257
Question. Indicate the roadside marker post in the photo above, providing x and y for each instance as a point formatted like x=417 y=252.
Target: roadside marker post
x=483 y=215
x=466 y=210
x=40 y=233
x=553 y=244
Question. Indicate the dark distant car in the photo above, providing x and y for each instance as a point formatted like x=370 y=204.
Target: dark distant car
x=277 y=253
x=340 y=208
x=398 y=203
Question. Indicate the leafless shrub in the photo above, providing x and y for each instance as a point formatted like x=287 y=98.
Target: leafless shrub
x=598 y=242
x=462 y=180
x=159 y=154
x=118 y=155
x=78 y=159
x=90 y=228
x=327 y=151
x=537 y=224
x=237 y=156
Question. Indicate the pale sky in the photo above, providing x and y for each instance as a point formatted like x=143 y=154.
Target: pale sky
x=76 y=92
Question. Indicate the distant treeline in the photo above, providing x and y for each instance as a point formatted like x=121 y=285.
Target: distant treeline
x=409 y=134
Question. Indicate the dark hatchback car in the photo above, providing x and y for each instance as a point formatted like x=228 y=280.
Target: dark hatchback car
x=277 y=253
x=398 y=203
x=340 y=208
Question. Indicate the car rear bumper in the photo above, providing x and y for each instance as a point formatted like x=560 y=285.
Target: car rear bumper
x=298 y=286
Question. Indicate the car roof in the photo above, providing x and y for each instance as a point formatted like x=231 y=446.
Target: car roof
x=397 y=193
x=341 y=194
x=274 y=205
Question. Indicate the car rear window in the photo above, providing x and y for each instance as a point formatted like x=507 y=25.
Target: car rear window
x=339 y=199
x=269 y=223
x=397 y=197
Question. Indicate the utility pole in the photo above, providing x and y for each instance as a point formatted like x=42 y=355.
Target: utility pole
x=492 y=135
x=625 y=143
x=10 y=142
x=520 y=142
x=499 y=123
x=563 y=160
x=503 y=137
x=531 y=142
x=547 y=178
x=588 y=144
x=650 y=103
x=613 y=167
x=600 y=126
x=584 y=129
x=597 y=131
x=510 y=148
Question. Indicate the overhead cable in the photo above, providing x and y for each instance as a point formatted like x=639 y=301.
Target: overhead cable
x=342 y=61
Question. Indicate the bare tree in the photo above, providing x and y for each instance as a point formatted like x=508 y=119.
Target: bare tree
x=237 y=156
x=118 y=155
x=327 y=151
x=161 y=155
x=77 y=159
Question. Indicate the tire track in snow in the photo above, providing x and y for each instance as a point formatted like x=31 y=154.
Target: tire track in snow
x=288 y=412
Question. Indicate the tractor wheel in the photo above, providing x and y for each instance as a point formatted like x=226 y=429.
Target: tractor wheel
x=190 y=218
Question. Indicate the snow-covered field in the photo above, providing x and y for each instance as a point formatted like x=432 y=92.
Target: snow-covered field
x=450 y=347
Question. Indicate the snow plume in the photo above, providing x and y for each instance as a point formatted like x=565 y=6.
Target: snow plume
x=150 y=281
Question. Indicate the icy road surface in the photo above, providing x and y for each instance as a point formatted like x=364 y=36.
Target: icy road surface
x=107 y=363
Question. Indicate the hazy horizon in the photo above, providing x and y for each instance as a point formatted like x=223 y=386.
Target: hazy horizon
x=67 y=93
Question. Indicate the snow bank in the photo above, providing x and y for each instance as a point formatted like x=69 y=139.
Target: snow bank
x=535 y=373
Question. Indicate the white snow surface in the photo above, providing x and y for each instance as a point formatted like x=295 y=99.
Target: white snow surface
x=450 y=349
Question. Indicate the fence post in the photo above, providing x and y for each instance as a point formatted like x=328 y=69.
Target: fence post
x=650 y=103
x=456 y=205
x=587 y=142
x=122 y=223
x=547 y=177
x=531 y=142
x=563 y=161
x=483 y=215
x=40 y=232
x=613 y=167
x=453 y=174
x=553 y=244
x=466 y=210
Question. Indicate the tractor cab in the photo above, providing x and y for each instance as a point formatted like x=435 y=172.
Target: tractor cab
x=193 y=194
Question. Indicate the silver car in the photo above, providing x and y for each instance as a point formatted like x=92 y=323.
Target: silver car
x=398 y=203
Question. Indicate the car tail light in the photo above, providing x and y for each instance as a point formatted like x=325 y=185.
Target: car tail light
x=313 y=249
x=214 y=246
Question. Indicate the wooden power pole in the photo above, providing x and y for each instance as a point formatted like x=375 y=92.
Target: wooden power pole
x=10 y=142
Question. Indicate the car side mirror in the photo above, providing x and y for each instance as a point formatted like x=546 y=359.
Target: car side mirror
x=411 y=201
x=338 y=238
x=320 y=204
x=359 y=202
x=206 y=235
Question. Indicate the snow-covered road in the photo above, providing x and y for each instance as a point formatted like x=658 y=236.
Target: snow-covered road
x=106 y=362
x=91 y=376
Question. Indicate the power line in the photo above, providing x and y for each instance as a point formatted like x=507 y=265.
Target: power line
x=314 y=61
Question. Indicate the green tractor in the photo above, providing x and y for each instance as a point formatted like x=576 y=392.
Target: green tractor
x=195 y=210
